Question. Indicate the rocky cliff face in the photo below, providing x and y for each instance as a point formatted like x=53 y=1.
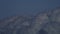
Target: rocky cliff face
x=44 y=23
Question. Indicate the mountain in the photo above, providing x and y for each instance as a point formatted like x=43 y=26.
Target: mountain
x=47 y=22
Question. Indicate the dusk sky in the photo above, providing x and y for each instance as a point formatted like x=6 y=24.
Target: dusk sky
x=25 y=7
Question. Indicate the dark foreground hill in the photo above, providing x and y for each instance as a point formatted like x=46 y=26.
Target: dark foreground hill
x=43 y=23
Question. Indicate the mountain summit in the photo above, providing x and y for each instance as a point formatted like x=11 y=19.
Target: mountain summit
x=43 y=23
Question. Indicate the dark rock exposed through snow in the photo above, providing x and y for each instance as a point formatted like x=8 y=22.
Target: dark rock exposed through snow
x=43 y=23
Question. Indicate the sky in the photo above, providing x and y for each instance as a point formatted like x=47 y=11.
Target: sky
x=25 y=7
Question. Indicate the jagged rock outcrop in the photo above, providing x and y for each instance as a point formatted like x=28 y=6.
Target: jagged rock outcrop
x=43 y=23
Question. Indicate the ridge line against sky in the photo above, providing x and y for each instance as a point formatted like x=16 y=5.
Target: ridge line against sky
x=25 y=7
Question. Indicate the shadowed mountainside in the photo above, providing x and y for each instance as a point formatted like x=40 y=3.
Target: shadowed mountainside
x=43 y=23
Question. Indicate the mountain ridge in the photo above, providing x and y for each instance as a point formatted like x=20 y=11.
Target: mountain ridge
x=43 y=23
